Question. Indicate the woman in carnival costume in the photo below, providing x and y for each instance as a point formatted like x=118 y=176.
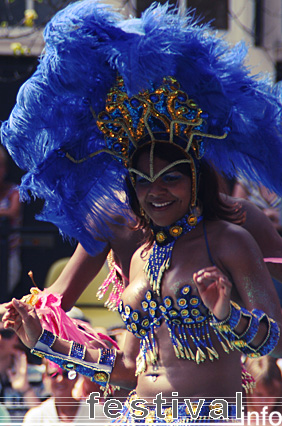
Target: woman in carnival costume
x=134 y=114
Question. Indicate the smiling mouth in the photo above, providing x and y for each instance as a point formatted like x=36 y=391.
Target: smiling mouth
x=160 y=205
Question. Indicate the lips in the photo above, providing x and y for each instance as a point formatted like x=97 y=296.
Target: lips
x=161 y=204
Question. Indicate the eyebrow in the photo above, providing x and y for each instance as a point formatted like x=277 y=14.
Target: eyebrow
x=166 y=172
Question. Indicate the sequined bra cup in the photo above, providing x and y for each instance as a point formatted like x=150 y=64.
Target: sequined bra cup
x=185 y=321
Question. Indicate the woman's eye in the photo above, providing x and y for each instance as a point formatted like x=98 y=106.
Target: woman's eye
x=141 y=180
x=171 y=177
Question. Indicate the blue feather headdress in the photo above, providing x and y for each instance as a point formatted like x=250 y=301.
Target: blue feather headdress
x=87 y=45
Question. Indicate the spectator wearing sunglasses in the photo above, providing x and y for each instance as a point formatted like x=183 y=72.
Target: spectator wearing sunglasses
x=61 y=407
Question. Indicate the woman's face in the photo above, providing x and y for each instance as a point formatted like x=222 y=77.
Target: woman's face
x=167 y=199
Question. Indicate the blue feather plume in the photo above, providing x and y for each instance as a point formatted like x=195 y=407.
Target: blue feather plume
x=87 y=44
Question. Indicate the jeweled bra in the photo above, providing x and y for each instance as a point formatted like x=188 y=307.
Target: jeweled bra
x=187 y=321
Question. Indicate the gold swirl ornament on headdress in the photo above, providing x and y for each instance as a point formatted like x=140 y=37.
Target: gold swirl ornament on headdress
x=163 y=114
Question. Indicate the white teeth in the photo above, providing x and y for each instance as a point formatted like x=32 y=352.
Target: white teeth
x=161 y=204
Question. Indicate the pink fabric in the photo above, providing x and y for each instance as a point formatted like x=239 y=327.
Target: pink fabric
x=273 y=259
x=117 y=288
x=54 y=319
x=248 y=382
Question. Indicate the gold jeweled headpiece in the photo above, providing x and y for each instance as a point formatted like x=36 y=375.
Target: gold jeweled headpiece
x=160 y=114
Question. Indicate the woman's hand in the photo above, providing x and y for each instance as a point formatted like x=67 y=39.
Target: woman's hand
x=215 y=290
x=23 y=319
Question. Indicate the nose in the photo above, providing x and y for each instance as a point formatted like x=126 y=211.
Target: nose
x=157 y=188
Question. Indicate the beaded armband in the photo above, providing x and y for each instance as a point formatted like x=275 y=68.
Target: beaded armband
x=77 y=350
x=243 y=341
x=107 y=357
x=98 y=372
x=47 y=338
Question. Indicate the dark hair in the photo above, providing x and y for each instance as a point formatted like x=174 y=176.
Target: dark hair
x=209 y=195
x=213 y=206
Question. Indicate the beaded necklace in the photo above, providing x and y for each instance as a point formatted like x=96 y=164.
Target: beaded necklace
x=165 y=238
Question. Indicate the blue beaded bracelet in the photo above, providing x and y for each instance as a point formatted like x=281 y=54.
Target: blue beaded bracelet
x=271 y=338
x=77 y=350
x=231 y=322
x=243 y=342
x=251 y=330
x=98 y=372
x=107 y=357
x=47 y=338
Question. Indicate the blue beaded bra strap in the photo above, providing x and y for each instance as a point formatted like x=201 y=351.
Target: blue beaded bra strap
x=165 y=238
x=207 y=245
x=98 y=372
x=243 y=342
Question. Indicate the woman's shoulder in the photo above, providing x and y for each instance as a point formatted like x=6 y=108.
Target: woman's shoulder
x=226 y=229
x=234 y=250
x=231 y=238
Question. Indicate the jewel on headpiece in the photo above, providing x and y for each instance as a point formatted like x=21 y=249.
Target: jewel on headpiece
x=160 y=114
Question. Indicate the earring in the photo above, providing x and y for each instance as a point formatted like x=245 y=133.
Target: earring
x=143 y=214
x=195 y=212
x=192 y=220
